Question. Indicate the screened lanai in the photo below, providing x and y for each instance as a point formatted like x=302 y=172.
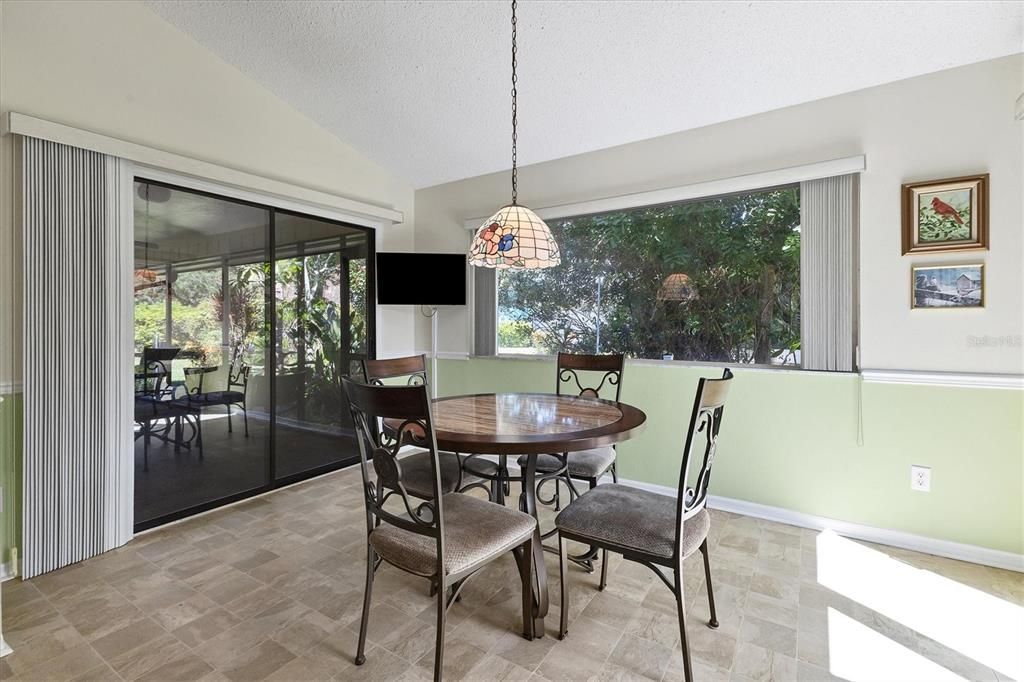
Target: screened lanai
x=246 y=317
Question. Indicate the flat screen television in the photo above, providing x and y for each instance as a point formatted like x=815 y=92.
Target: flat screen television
x=421 y=278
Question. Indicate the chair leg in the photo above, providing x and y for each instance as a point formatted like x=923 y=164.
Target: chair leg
x=365 y=622
x=199 y=434
x=687 y=667
x=498 y=491
x=615 y=472
x=563 y=559
x=506 y=479
x=245 y=417
x=707 y=578
x=525 y=559
x=442 y=612
x=604 y=570
x=229 y=418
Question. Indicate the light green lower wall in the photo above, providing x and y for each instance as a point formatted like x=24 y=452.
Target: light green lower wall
x=790 y=439
x=10 y=474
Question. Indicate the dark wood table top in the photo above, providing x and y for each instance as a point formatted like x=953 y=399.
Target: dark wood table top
x=531 y=423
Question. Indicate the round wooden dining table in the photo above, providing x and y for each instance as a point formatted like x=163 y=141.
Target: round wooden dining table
x=532 y=424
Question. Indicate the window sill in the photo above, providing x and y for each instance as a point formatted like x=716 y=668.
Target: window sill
x=789 y=369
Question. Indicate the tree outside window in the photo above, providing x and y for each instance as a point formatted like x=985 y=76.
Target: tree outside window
x=713 y=280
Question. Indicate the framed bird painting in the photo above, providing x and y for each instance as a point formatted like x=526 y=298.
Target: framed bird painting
x=946 y=215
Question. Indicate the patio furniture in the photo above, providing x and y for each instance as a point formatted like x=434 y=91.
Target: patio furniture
x=159 y=415
x=238 y=376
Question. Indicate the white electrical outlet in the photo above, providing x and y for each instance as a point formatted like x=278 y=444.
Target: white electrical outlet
x=920 y=478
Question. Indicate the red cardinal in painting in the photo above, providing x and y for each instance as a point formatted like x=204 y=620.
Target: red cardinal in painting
x=942 y=208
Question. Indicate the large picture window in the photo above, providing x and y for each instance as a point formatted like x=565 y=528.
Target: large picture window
x=715 y=280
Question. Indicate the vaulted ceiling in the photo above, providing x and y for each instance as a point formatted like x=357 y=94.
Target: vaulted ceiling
x=423 y=87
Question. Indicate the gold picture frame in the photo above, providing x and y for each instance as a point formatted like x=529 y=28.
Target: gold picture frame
x=947 y=286
x=945 y=215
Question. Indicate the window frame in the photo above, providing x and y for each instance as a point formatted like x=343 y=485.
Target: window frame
x=705 y=190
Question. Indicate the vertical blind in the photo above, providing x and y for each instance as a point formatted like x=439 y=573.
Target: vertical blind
x=485 y=314
x=78 y=406
x=828 y=226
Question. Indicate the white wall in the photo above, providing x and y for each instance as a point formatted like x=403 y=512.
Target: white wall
x=117 y=68
x=951 y=123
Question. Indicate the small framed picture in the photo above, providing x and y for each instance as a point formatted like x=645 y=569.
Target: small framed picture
x=947 y=286
x=946 y=215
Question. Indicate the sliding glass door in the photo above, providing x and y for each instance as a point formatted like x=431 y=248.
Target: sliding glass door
x=246 y=318
x=320 y=335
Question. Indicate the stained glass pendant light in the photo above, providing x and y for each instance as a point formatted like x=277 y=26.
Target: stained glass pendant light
x=515 y=236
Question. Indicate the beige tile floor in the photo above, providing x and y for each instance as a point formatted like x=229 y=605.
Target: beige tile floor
x=271 y=589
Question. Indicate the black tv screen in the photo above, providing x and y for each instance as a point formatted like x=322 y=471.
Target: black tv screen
x=421 y=278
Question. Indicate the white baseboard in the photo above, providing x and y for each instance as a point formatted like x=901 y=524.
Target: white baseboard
x=857 y=531
x=882 y=536
x=6 y=571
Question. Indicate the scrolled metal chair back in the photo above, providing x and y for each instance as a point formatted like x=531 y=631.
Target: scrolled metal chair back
x=154 y=380
x=405 y=410
x=607 y=369
x=706 y=420
x=238 y=375
x=194 y=378
x=412 y=367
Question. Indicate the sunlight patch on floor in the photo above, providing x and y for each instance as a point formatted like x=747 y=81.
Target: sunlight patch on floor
x=975 y=624
x=858 y=653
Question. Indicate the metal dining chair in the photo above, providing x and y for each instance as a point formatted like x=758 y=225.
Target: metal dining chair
x=155 y=404
x=417 y=465
x=587 y=465
x=238 y=378
x=651 y=529
x=447 y=538
x=585 y=376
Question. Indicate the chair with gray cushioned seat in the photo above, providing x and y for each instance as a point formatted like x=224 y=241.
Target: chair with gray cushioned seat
x=417 y=466
x=651 y=529
x=585 y=465
x=448 y=537
x=573 y=371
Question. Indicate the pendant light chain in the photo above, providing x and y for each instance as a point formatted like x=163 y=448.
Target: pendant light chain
x=515 y=188
x=514 y=237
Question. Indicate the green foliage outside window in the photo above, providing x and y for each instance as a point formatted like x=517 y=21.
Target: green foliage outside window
x=740 y=258
x=515 y=334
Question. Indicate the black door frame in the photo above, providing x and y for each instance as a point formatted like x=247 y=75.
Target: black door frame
x=272 y=483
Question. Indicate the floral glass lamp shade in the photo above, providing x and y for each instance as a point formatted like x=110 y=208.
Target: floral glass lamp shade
x=514 y=237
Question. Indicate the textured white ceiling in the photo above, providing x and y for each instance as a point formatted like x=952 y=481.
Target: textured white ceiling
x=423 y=87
